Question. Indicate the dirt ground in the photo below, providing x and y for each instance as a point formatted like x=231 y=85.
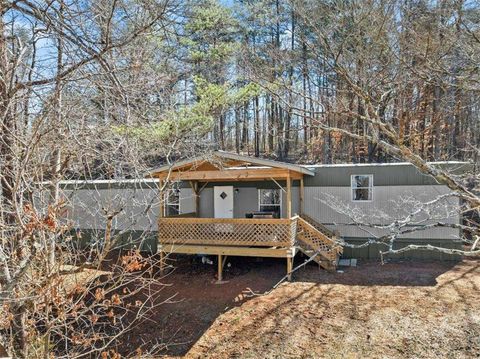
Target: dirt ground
x=398 y=310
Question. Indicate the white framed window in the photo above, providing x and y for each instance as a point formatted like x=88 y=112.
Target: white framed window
x=270 y=200
x=362 y=188
x=172 y=202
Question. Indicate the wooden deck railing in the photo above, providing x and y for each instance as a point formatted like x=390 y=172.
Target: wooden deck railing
x=315 y=240
x=227 y=231
x=320 y=227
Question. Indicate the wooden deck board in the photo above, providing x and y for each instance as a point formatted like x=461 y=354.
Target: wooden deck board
x=229 y=250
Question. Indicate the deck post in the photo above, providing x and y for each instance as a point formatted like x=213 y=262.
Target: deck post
x=197 y=199
x=162 y=261
x=302 y=195
x=289 y=268
x=220 y=268
x=289 y=196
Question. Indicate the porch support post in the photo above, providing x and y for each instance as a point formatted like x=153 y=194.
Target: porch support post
x=302 y=195
x=220 y=268
x=289 y=196
x=196 y=193
x=162 y=261
x=289 y=268
x=197 y=199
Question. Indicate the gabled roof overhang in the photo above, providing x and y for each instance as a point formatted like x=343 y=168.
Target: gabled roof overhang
x=227 y=166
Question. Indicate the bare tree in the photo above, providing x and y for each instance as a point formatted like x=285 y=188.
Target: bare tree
x=64 y=93
x=378 y=63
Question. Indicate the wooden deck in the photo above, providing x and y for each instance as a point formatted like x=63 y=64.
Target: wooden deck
x=239 y=236
x=280 y=238
x=227 y=232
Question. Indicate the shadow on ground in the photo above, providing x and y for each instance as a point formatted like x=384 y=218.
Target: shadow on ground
x=194 y=300
x=363 y=320
x=373 y=273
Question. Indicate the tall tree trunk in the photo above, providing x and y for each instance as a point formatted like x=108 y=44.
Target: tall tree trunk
x=457 y=91
x=311 y=116
x=271 y=125
x=304 y=88
x=256 y=127
x=245 y=127
x=237 y=130
x=7 y=158
x=57 y=154
x=7 y=132
x=436 y=124
x=221 y=131
x=280 y=134
x=265 y=117
x=288 y=118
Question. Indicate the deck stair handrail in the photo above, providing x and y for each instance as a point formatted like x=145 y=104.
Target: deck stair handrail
x=311 y=241
x=320 y=227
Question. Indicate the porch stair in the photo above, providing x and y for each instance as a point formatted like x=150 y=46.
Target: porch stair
x=314 y=238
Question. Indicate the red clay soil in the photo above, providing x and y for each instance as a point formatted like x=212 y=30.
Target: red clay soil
x=409 y=309
x=195 y=301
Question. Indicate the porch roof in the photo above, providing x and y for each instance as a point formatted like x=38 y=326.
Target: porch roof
x=227 y=166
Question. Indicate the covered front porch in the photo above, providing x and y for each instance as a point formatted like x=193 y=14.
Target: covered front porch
x=270 y=230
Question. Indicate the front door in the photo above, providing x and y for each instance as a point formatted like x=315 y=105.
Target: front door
x=223 y=201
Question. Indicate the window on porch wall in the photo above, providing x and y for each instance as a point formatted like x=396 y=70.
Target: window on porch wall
x=270 y=200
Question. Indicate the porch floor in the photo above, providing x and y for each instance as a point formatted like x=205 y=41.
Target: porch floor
x=271 y=252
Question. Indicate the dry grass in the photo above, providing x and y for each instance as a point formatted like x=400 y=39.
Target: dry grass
x=308 y=319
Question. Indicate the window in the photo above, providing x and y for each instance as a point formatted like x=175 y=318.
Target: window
x=172 y=202
x=270 y=200
x=362 y=187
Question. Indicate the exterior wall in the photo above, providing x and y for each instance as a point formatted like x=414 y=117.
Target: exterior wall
x=139 y=208
x=397 y=191
x=87 y=205
x=333 y=206
x=187 y=200
x=246 y=200
x=385 y=174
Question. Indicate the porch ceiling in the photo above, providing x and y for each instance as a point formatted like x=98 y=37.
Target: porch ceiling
x=226 y=166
